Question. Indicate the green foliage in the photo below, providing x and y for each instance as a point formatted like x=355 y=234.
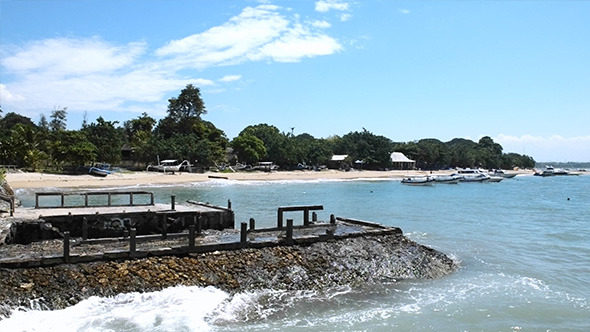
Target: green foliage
x=138 y=134
x=107 y=139
x=459 y=152
x=249 y=148
x=72 y=148
x=188 y=104
x=182 y=134
x=58 y=119
x=373 y=150
x=274 y=142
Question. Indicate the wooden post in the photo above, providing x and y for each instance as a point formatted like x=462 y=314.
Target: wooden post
x=164 y=226
x=252 y=224
x=109 y=199
x=229 y=204
x=132 y=240
x=199 y=224
x=332 y=219
x=62 y=200
x=314 y=216
x=131 y=198
x=84 y=229
x=86 y=199
x=191 y=236
x=305 y=217
x=12 y=206
x=289 y=231
x=172 y=202
x=151 y=198
x=36 y=200
x=66 y=246
x=279 y=218
x=243 y=233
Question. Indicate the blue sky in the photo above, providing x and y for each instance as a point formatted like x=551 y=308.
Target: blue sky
x=517 y=71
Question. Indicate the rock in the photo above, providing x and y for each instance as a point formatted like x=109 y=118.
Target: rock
x=353 y=261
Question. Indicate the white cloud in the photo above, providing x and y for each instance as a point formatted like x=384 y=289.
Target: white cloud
x=298 y=43
x=345 y=17
x=7 y=96
x=67 y=56
x=321 y=24
x=90 y=74
x=230 y=78
x=256 y=34
x=553 y=148
x=323 y=6
x=403 y=11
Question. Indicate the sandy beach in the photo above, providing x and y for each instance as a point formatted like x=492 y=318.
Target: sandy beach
x=21 y=180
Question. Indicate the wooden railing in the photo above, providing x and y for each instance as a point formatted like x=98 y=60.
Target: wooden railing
x=87 y=203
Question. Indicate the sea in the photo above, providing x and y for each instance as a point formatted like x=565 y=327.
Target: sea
x=522 y=246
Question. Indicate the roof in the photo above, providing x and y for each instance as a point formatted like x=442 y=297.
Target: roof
x=339 y=157
x=398 y=157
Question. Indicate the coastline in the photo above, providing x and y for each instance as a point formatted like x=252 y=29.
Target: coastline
x=23 y=180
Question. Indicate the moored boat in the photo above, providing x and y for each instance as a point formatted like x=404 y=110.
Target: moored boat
x=419 y=181
x=447 y=179
x=502 y=173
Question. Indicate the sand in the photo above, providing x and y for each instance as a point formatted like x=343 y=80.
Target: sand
x=21 y=180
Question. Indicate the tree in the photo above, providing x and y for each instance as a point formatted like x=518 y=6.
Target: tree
x=107 y=139
x=138 y=134
x=43 y=124
x=58 y=119
x=72 y=147
x=274 y=141
x=249 y=148
x=373 y=150
x=188 y=104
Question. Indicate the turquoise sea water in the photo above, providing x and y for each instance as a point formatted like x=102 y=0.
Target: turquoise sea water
x=522 y=246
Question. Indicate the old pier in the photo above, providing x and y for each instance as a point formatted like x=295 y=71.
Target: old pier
x=77 y=227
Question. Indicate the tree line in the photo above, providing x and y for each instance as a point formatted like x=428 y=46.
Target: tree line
x=183 y=134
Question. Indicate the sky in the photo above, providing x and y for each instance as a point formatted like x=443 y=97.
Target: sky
x=517 y=71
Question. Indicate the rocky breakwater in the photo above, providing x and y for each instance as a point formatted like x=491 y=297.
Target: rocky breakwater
x=352 y=261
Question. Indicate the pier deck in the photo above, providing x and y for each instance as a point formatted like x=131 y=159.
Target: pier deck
x=51 y=252
x=36 y=213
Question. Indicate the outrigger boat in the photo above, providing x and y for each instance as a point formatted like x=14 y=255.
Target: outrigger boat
x=169 y=165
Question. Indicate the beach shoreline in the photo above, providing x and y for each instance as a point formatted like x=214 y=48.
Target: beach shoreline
x=25 y=180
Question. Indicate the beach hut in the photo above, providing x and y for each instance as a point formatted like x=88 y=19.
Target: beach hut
x=338 y=161
x=400 y=161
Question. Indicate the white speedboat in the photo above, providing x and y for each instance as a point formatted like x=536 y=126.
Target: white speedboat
x=447 y=179
x=473 y=175
x=419 y=181
x=502 y=173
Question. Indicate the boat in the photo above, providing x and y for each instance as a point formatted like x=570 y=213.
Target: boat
x=502 y=173
x=169 y=165
x=548 y=171
x=551 y=171
x=472 y=175
x=419 y=181
x=100 y=169
x=493 y=178
x=447 y=179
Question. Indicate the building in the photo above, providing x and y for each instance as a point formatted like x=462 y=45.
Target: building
x=400 y=161
x=339 y=161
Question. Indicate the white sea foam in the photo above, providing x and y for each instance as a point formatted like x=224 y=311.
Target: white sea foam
x=172 y=309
